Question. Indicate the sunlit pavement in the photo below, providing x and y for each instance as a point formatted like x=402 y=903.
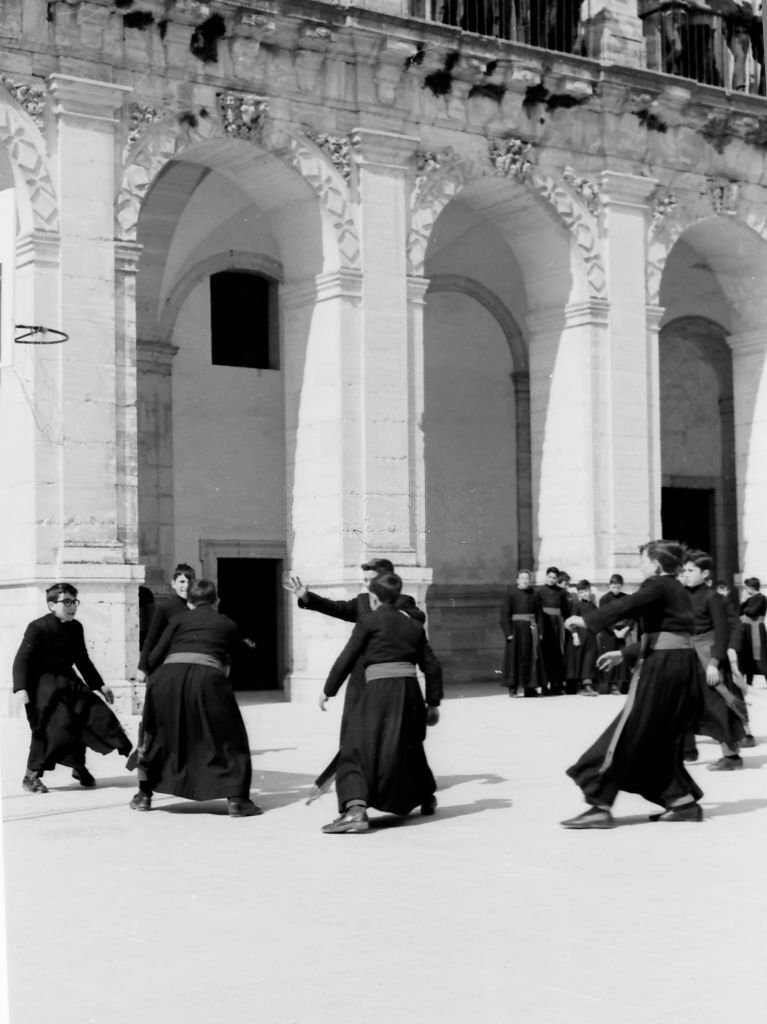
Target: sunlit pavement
x=488 y=912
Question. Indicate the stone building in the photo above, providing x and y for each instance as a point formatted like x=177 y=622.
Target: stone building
x=345 y=281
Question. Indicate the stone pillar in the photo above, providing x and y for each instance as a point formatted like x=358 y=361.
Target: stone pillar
x=416 y=300
x=628 y=457
x=382 y=160
x=97 y=518
x=564 y=431
x=154 y=424
x=749 y=366
x=521 y=385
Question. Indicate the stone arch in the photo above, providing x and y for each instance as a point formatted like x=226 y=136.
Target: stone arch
x=37 y=201
x=158 y=139
x=494 y=305
x=230 y=260
x=442 y=176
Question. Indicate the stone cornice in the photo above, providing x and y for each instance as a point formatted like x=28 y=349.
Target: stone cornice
x=619 y=189
x=383 y=149
x=86 y=98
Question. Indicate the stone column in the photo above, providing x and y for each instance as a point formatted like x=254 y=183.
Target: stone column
x=154 y=424
x=521 y=385
x=749 y=366
x=126 y=265
x=416 y=302
x=96 y=522
x=382 y=160
x=628 y=459
x=564 y=432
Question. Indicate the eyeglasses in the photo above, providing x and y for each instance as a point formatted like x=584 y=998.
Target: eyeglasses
x=69 y=602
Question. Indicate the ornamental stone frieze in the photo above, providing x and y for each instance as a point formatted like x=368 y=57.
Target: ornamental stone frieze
x=441 y=175
x=153 y=139
x=22 y=138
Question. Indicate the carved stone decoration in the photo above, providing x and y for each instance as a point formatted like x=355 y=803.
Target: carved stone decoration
x=168 y=136
x=242 y=115
x=139 y=116
x=662 y=202
x=337 y=147
x=32 y=98
x=440 y=177
x=725 y=195
x=585 y=188
x=510 y=157
x=334 y=194
x=26 y=154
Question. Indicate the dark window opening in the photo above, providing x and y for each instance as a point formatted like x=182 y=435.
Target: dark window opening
x=687 y=515
x=244 y=328
x=250 y=593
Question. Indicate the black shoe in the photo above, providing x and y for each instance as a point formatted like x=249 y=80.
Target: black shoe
x=132 y=760
x=691 y=755
x=140 y=802
x=686 y=812
x=587 y=690
x=749 y=741
x=242 y=807
x=429 y=807
x=353 y=820
x=729 y=763
x=594 y=817
x=84 y=777
x=615 y=690
x=32 y=783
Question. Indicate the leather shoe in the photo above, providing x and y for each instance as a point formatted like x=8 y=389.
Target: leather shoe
x=691 y=755
x=32 y=783
x=351 y=821
x=242 y=808
x=140 y=802
x=84 y=777
x=594 y=817
x=727 y=764
x=686 y=812
x=749 y=741
x=429 y=807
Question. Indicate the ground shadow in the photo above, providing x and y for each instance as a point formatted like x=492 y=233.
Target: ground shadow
x=443 y=813
x=484 y=779
x=271 y=750
x=746 y=806
x=116 y=781
x=269 y=789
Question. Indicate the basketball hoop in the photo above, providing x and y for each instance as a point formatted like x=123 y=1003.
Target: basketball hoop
x=39 y=335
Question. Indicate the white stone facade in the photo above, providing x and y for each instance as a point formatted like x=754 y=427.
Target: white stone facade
x=511 y=310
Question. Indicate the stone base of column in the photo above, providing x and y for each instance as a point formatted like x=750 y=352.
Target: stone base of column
x=303 y=688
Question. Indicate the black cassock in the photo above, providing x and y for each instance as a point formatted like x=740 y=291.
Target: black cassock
x=580 y=651
x=194 y=741
x=163 y=611
x=522 y=662
x=723 y=712
x=752 y=645
x=64 y=713
x=351 y=611
x=642 y=750
x=616 y=677
x=382 y=761
x=553 y=608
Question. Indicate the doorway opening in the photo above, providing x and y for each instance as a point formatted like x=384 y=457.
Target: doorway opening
x=687 y=515
x=250 y=594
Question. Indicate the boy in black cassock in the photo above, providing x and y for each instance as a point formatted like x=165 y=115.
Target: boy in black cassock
x=723 y=714
x=348 y=611
x=64 y=713
x=162 y=612
x=553 y=609
x=382 y=763
x=522 y=663
x=753 y=651
x=581 y=650
x=613 y=680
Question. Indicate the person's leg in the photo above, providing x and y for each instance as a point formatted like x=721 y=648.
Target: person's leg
x=33 y=781
x=142 y=800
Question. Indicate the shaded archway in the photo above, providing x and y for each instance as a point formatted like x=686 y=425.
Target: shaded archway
x=496 y=260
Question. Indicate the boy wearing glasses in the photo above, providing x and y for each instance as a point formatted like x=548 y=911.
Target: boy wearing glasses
x=64 y=714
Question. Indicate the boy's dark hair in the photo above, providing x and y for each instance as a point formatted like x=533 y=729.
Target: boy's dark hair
x=201 y=592
x=669 y=554
x=722 y=583
x=563 y=577
x=701 y=559
x=754 y=582
x=387 y=588
x=583 y=585
x=57 y=590
x=616 y=578
x=552 y=568
x=183 y=569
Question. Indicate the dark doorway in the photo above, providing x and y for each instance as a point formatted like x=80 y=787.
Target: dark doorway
x=249 y=592
x=687 y=515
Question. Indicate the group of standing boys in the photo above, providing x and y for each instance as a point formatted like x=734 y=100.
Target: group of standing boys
x=544 y=659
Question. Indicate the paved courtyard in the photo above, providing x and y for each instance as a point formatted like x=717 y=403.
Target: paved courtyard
x=487 y=913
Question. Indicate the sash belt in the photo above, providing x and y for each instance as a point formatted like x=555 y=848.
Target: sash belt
x=195 y=658
x=664 y=641
x=389 y=670
x=553 y=611
x=523 y=617
x=756 y=636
